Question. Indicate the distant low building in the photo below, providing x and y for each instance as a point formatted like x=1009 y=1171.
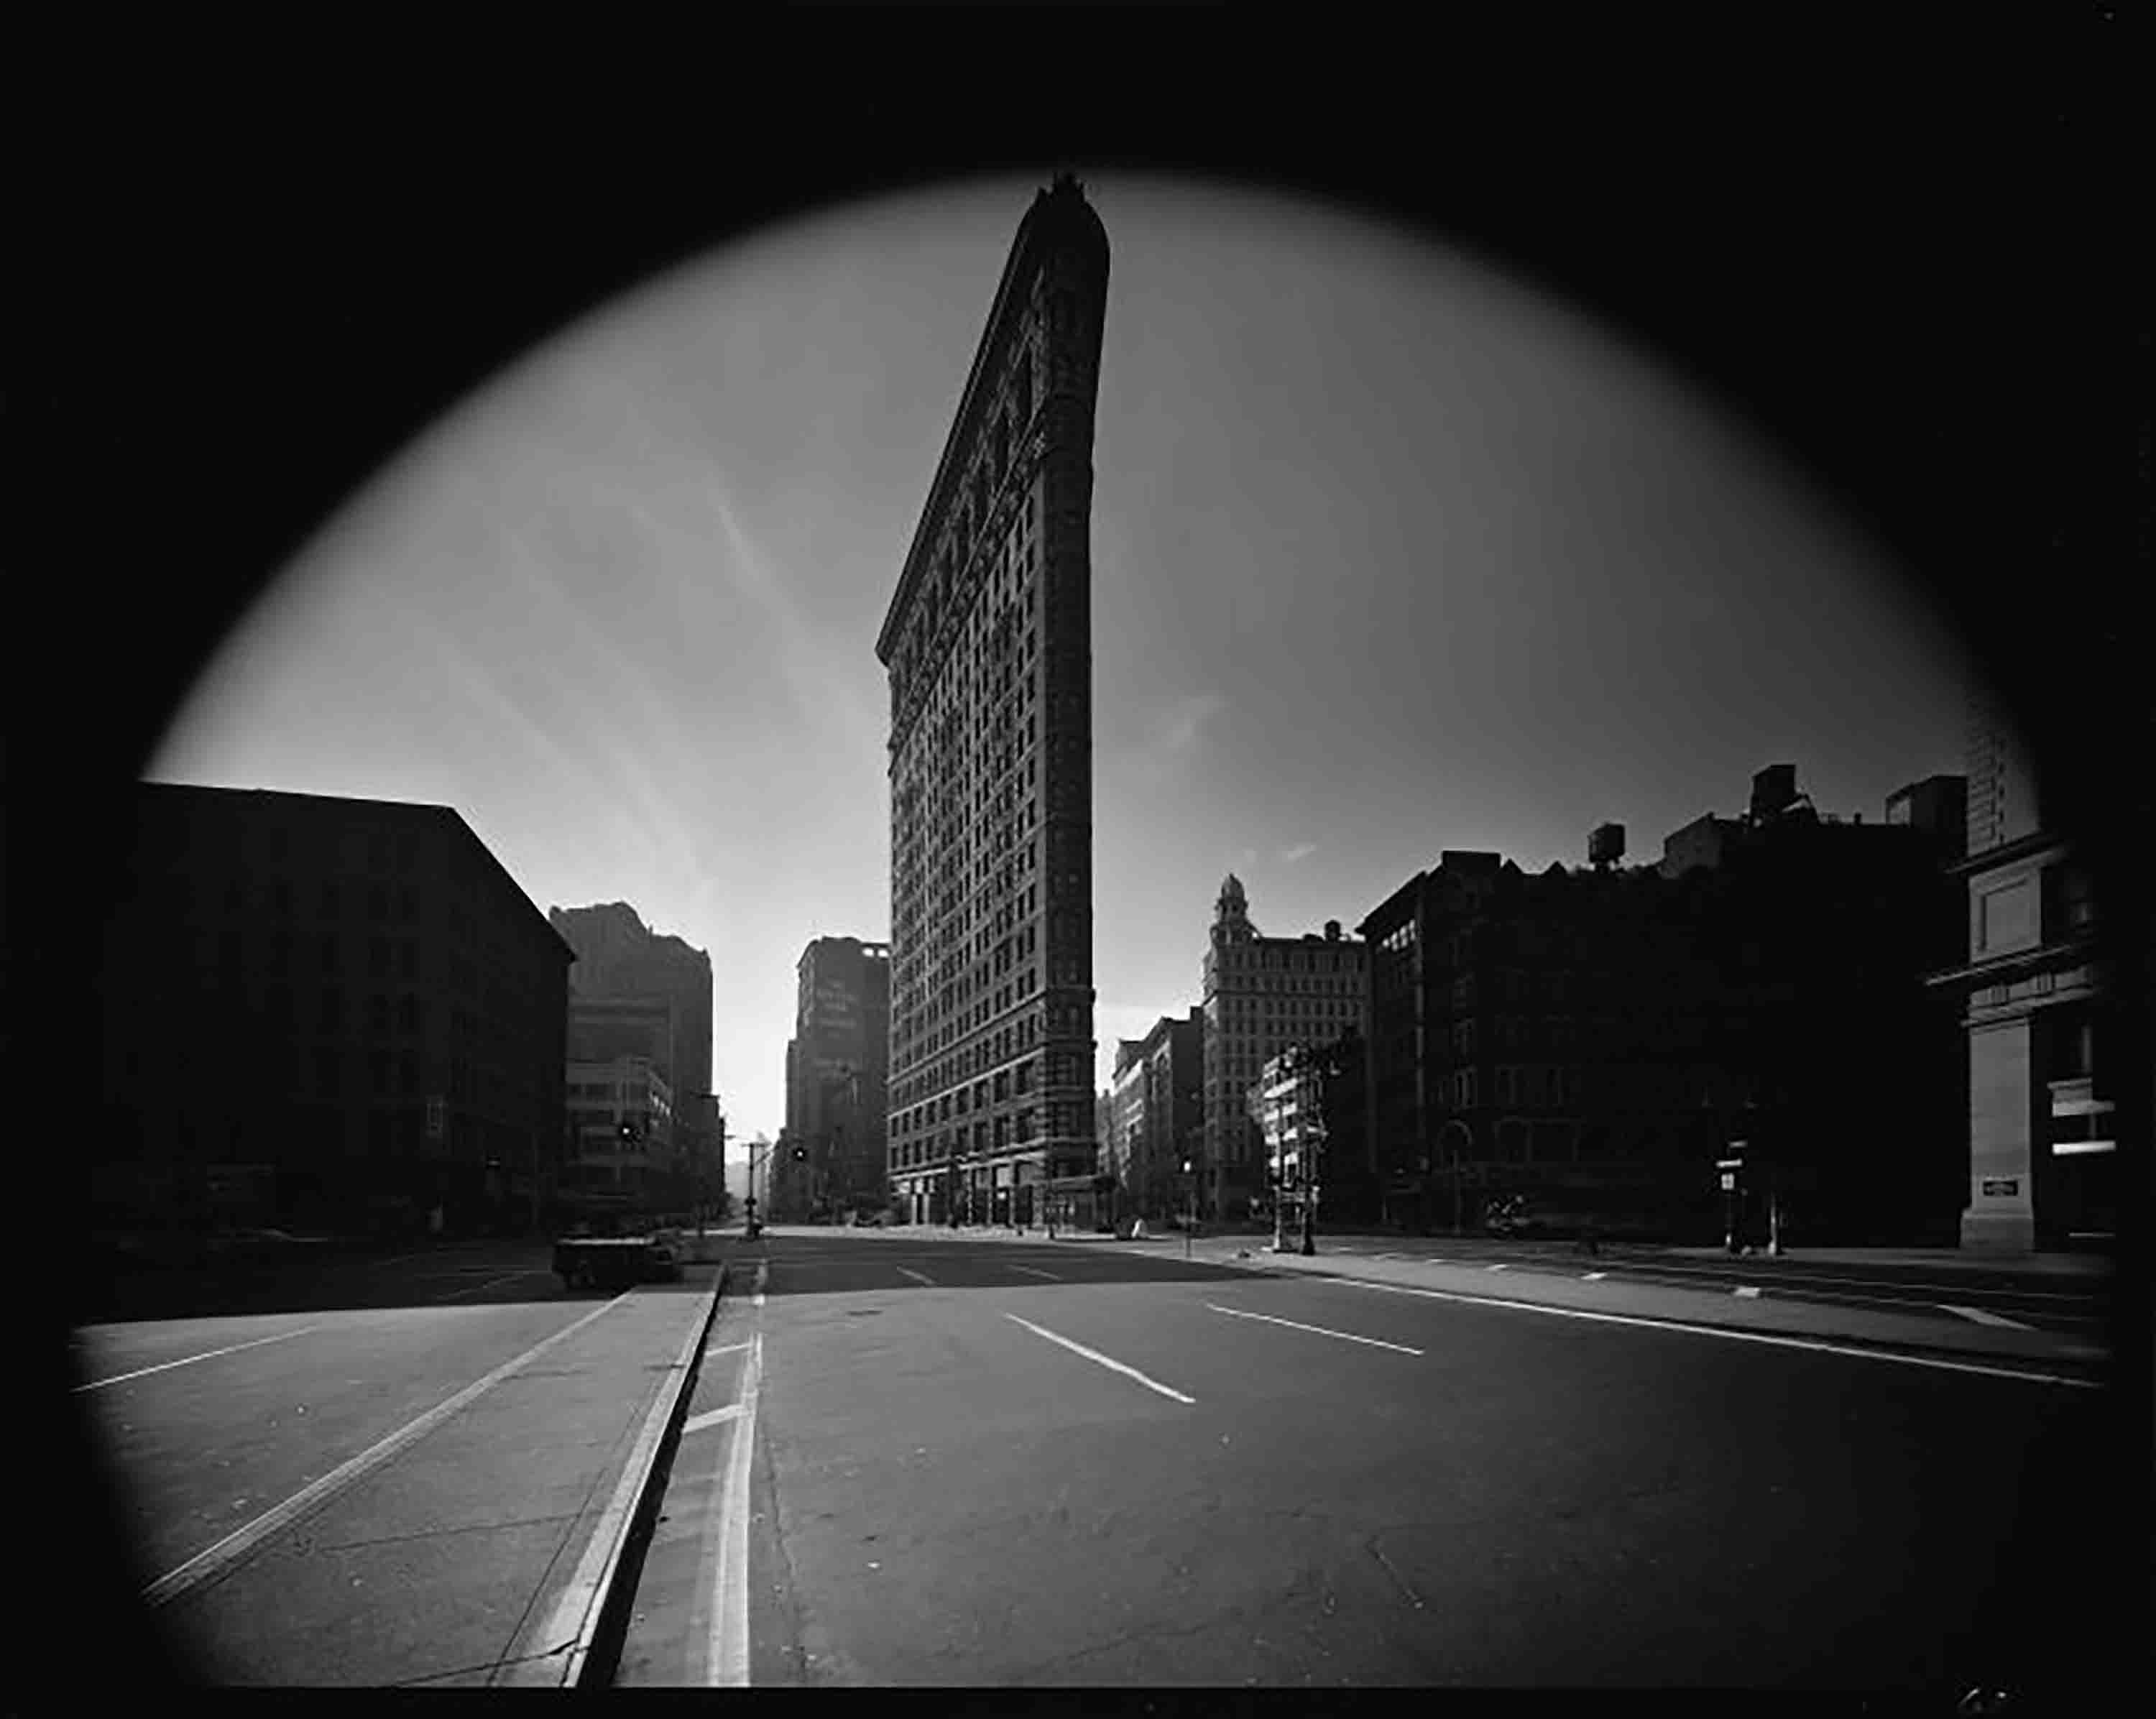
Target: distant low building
x=624 y=1154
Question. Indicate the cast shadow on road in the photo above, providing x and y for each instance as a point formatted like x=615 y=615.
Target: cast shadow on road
x=809 y=1266
x=329 y=1278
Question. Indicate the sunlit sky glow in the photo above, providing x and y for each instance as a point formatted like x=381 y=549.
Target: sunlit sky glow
x=1390 y=554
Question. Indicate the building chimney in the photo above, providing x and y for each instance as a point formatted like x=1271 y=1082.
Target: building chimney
x=1332 y=931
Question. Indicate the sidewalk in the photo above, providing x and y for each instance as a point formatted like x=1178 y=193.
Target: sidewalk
x=2093 y=1267
x=468 y=1557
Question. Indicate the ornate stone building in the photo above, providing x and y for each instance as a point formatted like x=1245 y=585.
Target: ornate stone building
x=1262 y=994
x=988 y=650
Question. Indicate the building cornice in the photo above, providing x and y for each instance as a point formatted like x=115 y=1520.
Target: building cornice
x=2016 y=963
x=1027 y=253
x=2006 y=853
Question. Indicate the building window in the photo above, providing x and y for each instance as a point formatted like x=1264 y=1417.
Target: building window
x=2069 y=904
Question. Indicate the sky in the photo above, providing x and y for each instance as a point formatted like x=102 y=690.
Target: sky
x=1391 y=555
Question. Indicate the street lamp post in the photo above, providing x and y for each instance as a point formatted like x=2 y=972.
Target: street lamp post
x=1312 y=1143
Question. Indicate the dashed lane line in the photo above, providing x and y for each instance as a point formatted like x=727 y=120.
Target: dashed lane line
x=710 y=1418
x=475 y=1288
x=1321 y=1331
x=1984 y=1316
x=1035 y=1271
x=1746 y=1292
x=1096 y=1356
x=1593 y=1276
x=121 y=1379
x=920 y=1277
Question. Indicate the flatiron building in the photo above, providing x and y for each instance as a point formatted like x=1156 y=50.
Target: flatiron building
x=987 y=649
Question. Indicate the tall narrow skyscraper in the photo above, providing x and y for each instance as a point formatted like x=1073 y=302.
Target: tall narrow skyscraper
x=988 y=649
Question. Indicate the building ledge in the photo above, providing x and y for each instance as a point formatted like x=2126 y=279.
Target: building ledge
x=1993 y=968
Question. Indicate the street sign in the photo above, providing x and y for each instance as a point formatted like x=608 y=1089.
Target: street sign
x=1729 y=1163
x=2001 y=1187
x=1728 y=1182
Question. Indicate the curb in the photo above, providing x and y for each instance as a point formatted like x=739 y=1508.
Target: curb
x=2093 y=1370
x=592 y=1657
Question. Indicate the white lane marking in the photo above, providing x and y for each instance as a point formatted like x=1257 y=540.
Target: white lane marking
x=1035 y=1271
x=1984 y=1318
x=729 y=1349
x=762 y=1275
x=1095 y=1355
x=574 y=1623
x=917 y=1276
x=1321 y=1331
x=1499 y=1266
x=710 y=1418
x=121 y=1379
x=1746 y=1292
x=211 y=1559
x=727 y=1665
x=1594 y=1276
x=474 y=1289
x=1815 y=1344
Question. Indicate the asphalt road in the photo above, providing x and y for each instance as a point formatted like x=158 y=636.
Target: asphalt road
x=916 y=1461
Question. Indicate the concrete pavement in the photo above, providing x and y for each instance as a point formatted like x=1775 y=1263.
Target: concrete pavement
x=383 y=1496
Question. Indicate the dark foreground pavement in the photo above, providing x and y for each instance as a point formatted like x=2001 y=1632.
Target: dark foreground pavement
x=421 y=1492
x=925 y=1462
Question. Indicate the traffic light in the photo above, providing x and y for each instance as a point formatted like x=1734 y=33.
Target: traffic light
x=800 y=1154
x=627 y=1132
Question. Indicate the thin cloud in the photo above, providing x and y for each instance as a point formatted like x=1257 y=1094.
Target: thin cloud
x=1299 y=853
x=1186 y=719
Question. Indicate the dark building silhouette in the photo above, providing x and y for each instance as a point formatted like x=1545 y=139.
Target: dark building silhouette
x=634 y=993
x=836 y=1079
x=988 y=649
x=1156 y=1111
x=621 y=959
x=2048 y=1027
x=1594 y=1039
x=326 y=1013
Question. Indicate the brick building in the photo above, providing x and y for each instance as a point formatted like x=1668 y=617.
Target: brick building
x=1590 y=1039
